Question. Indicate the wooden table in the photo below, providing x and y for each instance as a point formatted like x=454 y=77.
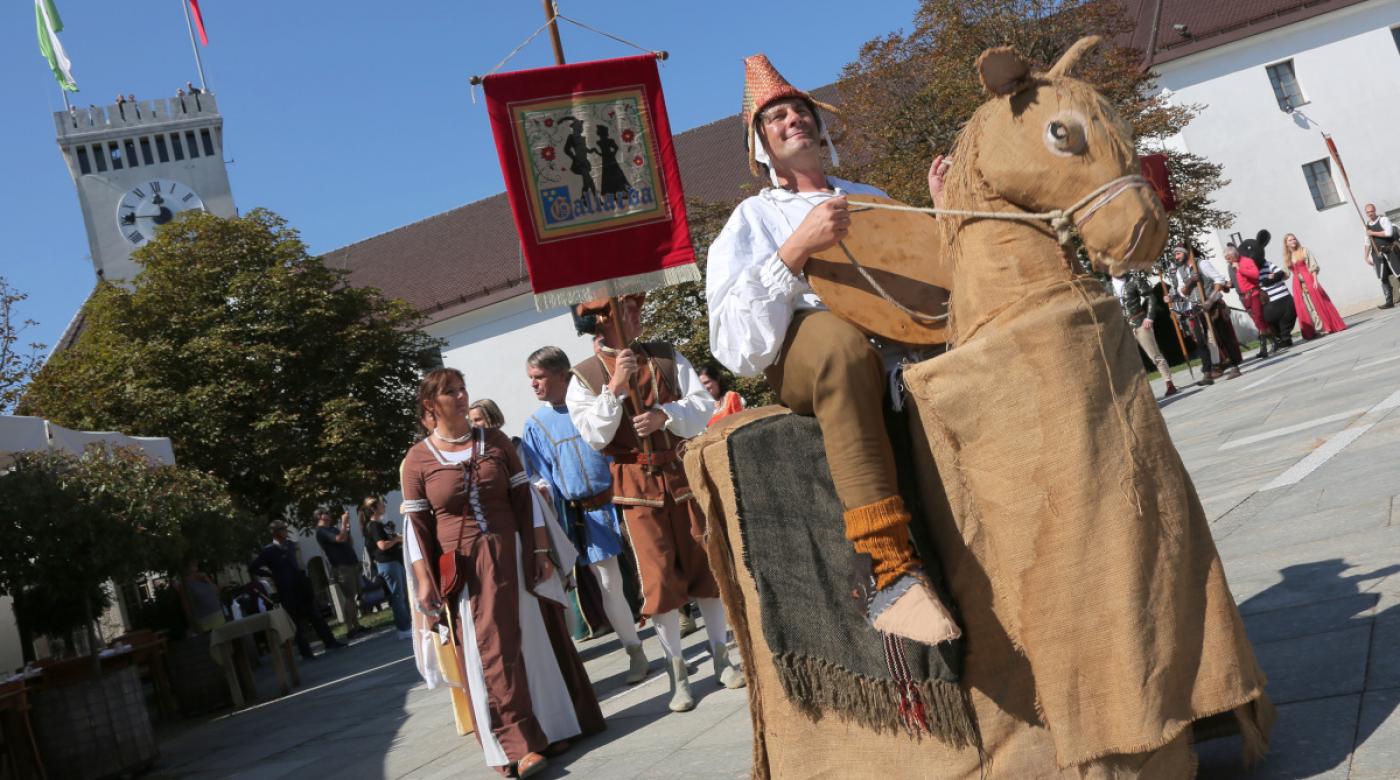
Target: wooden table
x=228 y=653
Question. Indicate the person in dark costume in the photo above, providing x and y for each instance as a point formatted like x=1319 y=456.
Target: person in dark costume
x=576 y=148
x=614 y=180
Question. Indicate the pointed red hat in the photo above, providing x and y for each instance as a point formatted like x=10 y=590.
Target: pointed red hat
x=763 y=84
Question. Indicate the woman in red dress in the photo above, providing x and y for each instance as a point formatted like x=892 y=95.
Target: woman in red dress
x=1316 y=314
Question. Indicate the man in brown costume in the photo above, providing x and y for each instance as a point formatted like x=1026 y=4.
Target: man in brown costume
x=636 y=404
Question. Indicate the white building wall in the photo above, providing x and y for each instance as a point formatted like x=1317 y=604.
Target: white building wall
x=490 y=346
x=1348 y=69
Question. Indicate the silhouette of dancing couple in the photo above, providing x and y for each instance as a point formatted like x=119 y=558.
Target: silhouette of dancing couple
x=576 y=147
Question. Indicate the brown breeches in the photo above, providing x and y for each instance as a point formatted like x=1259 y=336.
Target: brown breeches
x=669 y=544
x=828 y=369
x=489 y=568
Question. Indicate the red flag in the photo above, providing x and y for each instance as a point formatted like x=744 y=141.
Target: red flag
x=1154 y=169
x=199 y=22
x=1337 y=158
x=590 y=227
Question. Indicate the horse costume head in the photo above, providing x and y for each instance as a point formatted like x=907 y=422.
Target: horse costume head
x=1049 y=143
x=1044 y=159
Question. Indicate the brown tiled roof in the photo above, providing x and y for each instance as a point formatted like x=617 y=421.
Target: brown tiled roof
x=474 y=251
x=1212 y=23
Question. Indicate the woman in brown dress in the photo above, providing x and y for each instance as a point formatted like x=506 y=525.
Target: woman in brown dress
x=480 y=554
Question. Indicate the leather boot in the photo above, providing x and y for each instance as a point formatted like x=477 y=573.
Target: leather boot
x=681 y=698
x=725 y=672
x=637 y=665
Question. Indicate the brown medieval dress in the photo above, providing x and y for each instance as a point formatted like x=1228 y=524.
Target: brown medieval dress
x=472 y=511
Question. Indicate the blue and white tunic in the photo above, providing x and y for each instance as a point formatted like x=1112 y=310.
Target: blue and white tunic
x=556 y=455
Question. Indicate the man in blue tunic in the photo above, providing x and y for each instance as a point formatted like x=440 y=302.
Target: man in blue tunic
x=580 y=482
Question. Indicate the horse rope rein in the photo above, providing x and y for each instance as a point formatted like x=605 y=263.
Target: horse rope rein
x=1060 y=220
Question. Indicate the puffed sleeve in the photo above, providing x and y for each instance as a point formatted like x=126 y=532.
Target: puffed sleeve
x=750 y=294
x=688 y=416
x=597 y=416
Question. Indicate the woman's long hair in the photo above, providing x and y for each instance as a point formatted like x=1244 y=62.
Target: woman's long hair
x=428 y=390
x=366 y=510
x=1290 y=255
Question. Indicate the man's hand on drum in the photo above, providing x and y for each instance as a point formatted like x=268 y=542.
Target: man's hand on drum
x=623 y=371
x=821 y=229
x=937 y=171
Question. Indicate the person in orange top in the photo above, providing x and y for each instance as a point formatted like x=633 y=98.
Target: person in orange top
x=714 y=381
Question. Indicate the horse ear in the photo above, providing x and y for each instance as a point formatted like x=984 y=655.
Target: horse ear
x=1263 y=238
x=1003 y=71
x=1072 y=56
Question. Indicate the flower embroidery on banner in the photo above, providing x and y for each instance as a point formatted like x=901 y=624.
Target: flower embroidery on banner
x=549 y=122
x=547 y=153
x=637 y=161
x=628 y=135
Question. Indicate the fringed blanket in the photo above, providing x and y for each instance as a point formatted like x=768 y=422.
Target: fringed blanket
x=828 y=658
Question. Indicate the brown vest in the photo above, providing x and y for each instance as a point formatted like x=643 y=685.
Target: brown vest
x=658 y=382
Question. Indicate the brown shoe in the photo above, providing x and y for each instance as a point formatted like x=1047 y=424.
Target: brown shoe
x=532 y=764
x=1233 y=373
x=1206 y=381
x=1171 y=390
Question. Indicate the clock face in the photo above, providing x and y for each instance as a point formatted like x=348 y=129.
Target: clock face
x=154 y=203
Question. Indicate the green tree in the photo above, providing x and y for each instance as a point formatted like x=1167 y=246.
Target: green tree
x=908 y=94
x=18 y=363
x=68 y=524
x=262 y=365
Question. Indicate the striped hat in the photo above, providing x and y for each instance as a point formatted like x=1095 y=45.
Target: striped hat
x=763 y=84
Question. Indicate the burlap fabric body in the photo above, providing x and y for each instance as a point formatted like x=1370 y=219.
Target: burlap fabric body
x=1097 y=619
x=1073 y=506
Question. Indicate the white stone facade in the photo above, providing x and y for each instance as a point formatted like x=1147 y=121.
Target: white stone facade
x=1347 y=66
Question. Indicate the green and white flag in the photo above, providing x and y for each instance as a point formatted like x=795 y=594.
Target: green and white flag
x=47 y=21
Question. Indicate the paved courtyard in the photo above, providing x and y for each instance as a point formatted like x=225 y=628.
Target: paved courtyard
x=1297 y=463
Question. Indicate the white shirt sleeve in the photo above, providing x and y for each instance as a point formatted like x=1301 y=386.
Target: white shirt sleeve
x=595 y=415
x=750 y=293
x=688 y=416
x=1385 y=226
x=1210 y=273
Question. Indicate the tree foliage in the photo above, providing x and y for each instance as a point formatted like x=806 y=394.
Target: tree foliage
x=18 y=362
x=262 y=365
x=908 y=94
x=68 y=524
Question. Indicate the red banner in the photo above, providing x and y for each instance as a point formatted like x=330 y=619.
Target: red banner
x=199 y=22
x=592 y=179
x=1154 y=169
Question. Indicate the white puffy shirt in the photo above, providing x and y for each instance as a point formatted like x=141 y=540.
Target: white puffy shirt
x=598 y=415
x=751 y=294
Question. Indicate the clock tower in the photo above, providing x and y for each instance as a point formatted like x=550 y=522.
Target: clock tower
x=138 y=164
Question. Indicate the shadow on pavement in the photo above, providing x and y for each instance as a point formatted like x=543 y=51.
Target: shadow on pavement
x=1299 y=628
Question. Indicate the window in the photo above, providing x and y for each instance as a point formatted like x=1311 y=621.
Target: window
x=131 y=160
x=83 y=164
x=116 y=154
x=146 y=151
x=208 y=142
x=99 y=157
x=191 y=146
x=1395 y=33
x=1285 y=83
x=175 y=146
x=161 y=151
x=1319 y=176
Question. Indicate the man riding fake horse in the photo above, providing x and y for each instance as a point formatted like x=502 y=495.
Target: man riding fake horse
x=765 y=318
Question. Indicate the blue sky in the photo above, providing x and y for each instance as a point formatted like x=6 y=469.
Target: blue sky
x=353 y=118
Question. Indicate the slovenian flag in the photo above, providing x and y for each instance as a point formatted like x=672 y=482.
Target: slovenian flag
x=49 y=24
x=199 y=22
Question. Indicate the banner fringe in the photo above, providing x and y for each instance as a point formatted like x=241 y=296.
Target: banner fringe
x=612 y=288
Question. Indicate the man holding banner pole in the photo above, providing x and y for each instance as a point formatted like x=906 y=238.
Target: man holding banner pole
x=1380 y=251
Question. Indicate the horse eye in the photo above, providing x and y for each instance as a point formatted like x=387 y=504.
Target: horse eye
x=1065 y=136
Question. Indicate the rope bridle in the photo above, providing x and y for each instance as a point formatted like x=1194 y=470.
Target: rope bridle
x=1061 y=221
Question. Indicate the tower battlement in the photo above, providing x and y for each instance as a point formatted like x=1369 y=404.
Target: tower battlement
x=83 y=123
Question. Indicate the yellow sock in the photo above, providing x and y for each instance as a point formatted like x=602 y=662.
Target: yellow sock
x=881 y=530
